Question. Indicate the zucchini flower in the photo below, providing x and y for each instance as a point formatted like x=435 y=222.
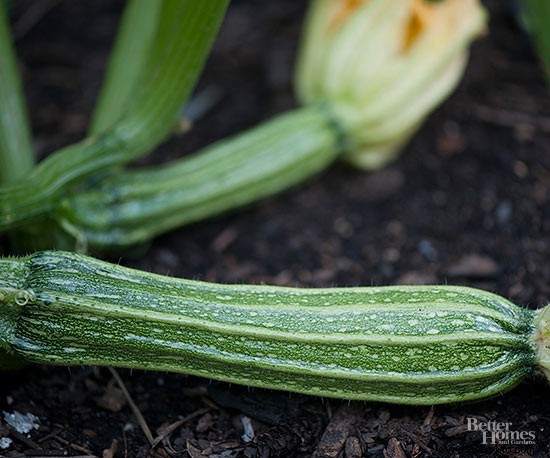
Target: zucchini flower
x=381 y=66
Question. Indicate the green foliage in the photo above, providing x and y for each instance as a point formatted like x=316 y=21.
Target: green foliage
x=183 y=36
x=537 y=18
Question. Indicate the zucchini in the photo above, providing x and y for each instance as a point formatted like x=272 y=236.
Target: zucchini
x=400 y=344
x=133 y=207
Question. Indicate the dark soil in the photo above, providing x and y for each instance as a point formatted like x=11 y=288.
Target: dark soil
x=468 y=203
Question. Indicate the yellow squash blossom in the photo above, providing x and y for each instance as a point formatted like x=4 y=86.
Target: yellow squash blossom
x=382 y=66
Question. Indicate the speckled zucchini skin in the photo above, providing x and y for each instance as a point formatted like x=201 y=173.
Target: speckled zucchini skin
x=401 y=344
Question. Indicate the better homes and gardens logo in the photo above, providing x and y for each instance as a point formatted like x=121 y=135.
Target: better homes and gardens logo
x=501 y=433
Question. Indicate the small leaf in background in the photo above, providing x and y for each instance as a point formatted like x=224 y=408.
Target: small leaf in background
x=536 y=17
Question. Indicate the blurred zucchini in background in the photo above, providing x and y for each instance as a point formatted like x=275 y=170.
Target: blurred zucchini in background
x=367 y=75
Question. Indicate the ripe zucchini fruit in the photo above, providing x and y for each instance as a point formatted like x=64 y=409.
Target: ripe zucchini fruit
x=401 y=344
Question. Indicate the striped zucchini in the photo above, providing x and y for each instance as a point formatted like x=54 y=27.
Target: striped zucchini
x=133 y=207
x=401 y=344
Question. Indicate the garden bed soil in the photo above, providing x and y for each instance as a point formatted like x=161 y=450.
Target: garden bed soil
x=468 y=203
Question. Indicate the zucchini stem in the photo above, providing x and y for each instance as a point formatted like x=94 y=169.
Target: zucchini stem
x=127 y=64
x=542 y=339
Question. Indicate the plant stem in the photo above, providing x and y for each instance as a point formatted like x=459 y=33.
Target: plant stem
x=128 y=62
x=184 y=36
x=16 y=153
x=135 y=206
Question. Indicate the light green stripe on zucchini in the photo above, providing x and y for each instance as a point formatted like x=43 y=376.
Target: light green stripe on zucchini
x=412 y=345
